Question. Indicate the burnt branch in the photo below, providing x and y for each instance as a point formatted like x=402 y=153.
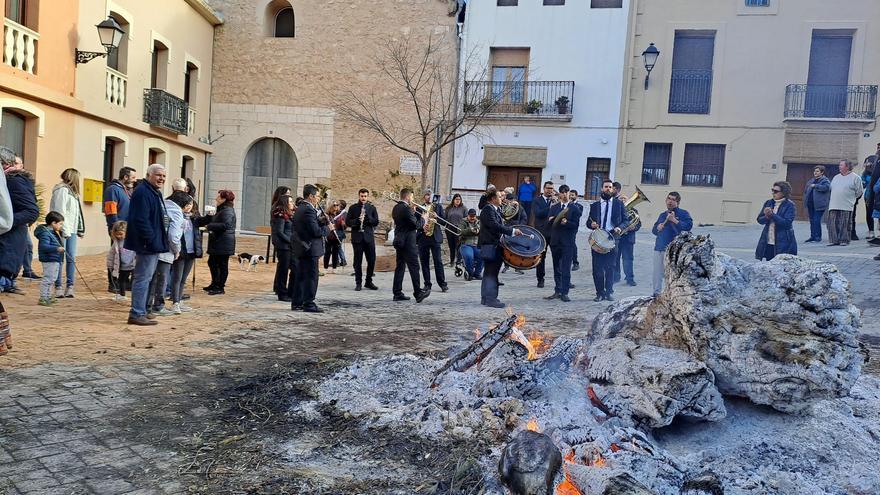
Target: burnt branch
x=478 y=350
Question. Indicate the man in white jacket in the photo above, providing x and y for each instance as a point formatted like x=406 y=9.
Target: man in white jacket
x=846 y=188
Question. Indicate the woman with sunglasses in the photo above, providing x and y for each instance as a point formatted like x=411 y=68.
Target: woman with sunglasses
x=777 y=217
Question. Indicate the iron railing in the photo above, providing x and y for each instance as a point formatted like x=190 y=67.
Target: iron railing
x=804 y=101
x=690 y=91
x=538 y=98
x=162 y=109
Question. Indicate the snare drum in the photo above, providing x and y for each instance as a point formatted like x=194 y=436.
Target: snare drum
x=523 y=252
x=602 y=241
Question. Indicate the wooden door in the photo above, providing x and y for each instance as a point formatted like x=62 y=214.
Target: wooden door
x=503 y=177
x=798 y=175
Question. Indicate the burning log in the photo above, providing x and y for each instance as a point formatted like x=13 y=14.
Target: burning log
x=478 y=350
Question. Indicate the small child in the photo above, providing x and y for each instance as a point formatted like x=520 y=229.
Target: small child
x=120 y=261
x=51 y=252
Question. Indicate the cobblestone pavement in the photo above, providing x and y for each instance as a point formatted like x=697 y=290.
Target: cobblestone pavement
x=76 y=429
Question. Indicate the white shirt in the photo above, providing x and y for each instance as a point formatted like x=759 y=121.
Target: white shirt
x=845 y=190
x=605 y=205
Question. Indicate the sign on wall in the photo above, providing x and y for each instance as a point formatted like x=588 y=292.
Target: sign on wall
x=410 y=165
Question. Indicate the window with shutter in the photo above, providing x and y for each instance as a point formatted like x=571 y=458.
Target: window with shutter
x=691 y=85
x=606 y=4
x=655 y=163
x=703 y=165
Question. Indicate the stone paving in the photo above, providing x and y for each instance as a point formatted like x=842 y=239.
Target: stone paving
x=74 y=429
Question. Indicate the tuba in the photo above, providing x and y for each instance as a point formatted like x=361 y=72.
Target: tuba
x=632 y=215
x=509 y=209
x=322 y=202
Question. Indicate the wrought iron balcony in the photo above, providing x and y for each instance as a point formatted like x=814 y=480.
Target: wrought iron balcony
x=164 y=110
x=690 y=91
x=813 y=101
x=520 y=99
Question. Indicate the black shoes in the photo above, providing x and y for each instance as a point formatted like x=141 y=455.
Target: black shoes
x=312 y=309
x=371 y=286
x=609 y=297
x=208 y=288
x=598 y=298
x=631 y=283
x=421 y=296
x=564 y=298
x=216 y=292
x=400 y=297
x=467 y=277
x=540 y=284
x=575 y=267
x=357 y=287
x=284 y=299
x=444 y=288
x=142 y=321
x=494 y=304
x=555 y=295
x=296 y=307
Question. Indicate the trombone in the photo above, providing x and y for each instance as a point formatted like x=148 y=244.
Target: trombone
x=442 y=222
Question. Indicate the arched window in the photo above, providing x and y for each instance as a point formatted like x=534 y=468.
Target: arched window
x=284 y=23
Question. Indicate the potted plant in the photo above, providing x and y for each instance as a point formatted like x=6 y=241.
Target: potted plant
x=533 y=106
x=562 y=105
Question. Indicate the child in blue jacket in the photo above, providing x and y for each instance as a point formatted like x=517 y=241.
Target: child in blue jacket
x=51 y=252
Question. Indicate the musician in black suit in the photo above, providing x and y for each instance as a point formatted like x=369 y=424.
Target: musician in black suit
x=491 y=228
x=541 y=221
x=575 y=264
x=607 y=214
x=406 y=224
x=307 y=248
x=564 y=220
x=363 y=240
x=429 y=247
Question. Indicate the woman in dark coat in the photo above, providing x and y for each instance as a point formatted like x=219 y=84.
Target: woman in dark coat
x=777 y=217
x=282 y=227
x=221 y=240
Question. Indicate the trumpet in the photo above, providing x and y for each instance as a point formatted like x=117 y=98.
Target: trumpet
x=425 y=211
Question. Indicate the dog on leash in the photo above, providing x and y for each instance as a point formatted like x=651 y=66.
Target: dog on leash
x=247 y=261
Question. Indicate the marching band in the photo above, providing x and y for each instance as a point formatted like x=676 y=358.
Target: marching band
x=497 y=235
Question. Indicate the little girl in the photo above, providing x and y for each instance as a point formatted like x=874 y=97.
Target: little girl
x=120 y=261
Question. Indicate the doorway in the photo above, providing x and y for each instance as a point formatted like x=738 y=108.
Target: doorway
x=504 y=177
x=270 y=162
x=598 y=169
x=798 y=175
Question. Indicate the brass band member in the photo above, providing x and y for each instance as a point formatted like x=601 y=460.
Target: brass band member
x=625 y=247
x=609 y=215
x=429 y=240
x=564 y=219
x=406 y=223
x=363 y=218
x=307 y=248
x=541 y=206
x=491 y=228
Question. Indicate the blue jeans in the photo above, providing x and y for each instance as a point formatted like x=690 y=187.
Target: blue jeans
x=26 y=268
x=70 y=259
x=816 y=224
x=144 y=268
x=473 y=263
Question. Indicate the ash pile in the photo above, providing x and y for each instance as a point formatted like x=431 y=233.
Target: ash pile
x=738 y=379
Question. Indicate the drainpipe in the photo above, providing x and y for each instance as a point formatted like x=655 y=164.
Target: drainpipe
x=458 y=40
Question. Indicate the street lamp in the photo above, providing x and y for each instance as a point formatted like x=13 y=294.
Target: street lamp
x=650 y=56
x=110 y=34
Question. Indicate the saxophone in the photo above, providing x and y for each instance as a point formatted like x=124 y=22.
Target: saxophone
x=430 y=222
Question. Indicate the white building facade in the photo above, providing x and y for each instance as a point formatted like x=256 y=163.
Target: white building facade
x=560 y=67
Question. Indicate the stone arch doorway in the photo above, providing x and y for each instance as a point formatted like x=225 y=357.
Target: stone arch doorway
x=269 y=163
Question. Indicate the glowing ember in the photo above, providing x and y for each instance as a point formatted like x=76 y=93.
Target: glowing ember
x=520 y=321
x=615 y=448
x=517 y=335
x=532 y=425
x=567 y=487
x=597 y=461
x=540 y=341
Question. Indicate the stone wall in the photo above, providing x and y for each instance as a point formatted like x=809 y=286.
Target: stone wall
x=285 y=87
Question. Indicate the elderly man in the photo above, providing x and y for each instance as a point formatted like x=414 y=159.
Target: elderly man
x=13 y=244
x=146 y=237
x=846 y=188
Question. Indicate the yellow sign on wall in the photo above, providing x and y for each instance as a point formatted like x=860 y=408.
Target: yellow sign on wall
x=93 y=190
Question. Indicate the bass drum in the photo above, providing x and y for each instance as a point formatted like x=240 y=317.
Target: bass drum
x=523 y=252
x=602 y=242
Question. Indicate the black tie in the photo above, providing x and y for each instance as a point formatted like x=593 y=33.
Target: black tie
x=607 y=209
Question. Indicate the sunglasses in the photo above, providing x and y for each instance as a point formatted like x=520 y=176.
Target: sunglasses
x=776 y=190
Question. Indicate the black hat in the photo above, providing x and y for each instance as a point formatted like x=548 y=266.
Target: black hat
x=472 y=212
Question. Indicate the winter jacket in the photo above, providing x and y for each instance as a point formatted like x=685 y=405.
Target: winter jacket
x=671 y=230
x=783 y=218
x=20 y=185
x=5 y=207
x=119 y=258
x=146 y=232
x=282 y=228
x=470 y=232
x=66 y=202
x=821 y=194
x=48 y=243
x=221 y=231
x=116 y=202
x=175 y=231
x=455 y=214
x=526 y=192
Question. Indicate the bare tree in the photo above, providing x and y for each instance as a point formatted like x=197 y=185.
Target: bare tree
x=422 y=106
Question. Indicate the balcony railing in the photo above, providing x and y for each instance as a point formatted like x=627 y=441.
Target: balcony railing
x=690 y=91
x=191 y=122
x=520 y=99
x=164 y=110
x=812 y=101
x=116 y=87
x=19 y=46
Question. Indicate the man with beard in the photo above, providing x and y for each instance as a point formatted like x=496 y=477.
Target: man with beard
x=606 y=214
x=363 y=218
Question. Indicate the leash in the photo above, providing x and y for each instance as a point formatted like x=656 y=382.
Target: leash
x=84 y=281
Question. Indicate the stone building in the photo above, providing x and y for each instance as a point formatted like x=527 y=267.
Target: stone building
x=278 y=67
x=746 y=93
x=57 y=113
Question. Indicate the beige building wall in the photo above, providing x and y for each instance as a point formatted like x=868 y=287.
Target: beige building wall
x=71 y=109
x=758 y=52
x=267 y=87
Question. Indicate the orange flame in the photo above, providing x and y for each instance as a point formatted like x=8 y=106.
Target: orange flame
x=540 y=341
x=566 y=487
x=597 y=461
x=517 y=335
x=520 y=321
x=615 y=447
x=532 y=425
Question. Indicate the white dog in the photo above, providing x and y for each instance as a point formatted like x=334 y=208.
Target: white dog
x=246 y=261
